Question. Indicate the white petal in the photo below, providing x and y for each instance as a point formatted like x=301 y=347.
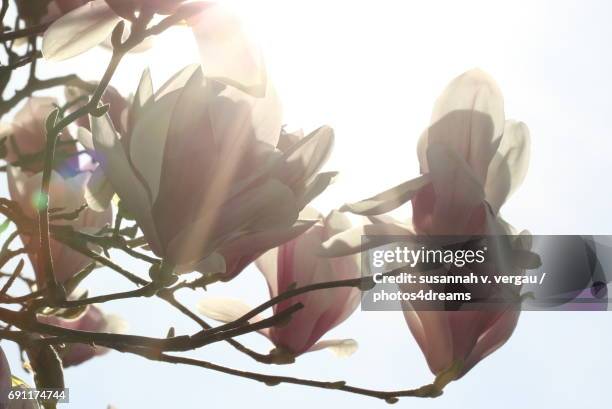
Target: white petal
x=269 y=206
x=99 y=191
x=213 y=264
x=509 y=165
x=389 y=199
x=351 y=241
x=16 y=182
x=422 y=151
x=336 y=222
x=118 y=170
x=268 y=116
x=268 y=265
x=316 y=187
x=307 y=156
x=262 y=116
x=457 y=189
x=310 y=213
x=5 y=130
x=84 y=137
x=144 y=94
x=382 y=218
x=227 y=53
x=270 y=159
x=469 y=118
x=227 y=310
x=145 y=89
x=115 y=324
x=148 y=140
x=223 y=309
x=262 y=241
x=342 y=348
x=79 y=30
x=177 y=81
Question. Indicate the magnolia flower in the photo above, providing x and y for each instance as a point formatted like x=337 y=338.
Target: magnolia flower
x=227 y=54
x=296 y=263
x=26 y=142
x=26 y=139
x=304 y=157
x=7 y=381
x=93 y=320
x=66 y=194
x=472 y=160
x=205 y=180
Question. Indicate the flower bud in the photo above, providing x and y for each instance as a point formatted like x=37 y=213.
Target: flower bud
x=66 y=195
x=296 y=264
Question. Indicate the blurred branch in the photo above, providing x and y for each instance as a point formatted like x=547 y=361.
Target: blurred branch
x=28 y=281
x=25 y=60
x=39 y=85
x=26 y=32
x=11 y=279
x=3 y=10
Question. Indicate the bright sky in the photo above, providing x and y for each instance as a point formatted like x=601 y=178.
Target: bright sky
x=372 y=70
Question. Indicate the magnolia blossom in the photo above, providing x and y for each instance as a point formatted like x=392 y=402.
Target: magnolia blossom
x=26 y=143
x=202 y=181
x=227 y=53
x=296 y=263
x=472 y=160
x=92 y=320
x=25 y=139
x=66 y=194
x=304 y=157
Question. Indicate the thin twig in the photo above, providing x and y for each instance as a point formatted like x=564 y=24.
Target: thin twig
x=26 y=32
x=11 y=279
x=427 y=391
x=38 y=85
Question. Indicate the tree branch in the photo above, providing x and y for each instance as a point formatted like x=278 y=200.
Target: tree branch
x=428 y=391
